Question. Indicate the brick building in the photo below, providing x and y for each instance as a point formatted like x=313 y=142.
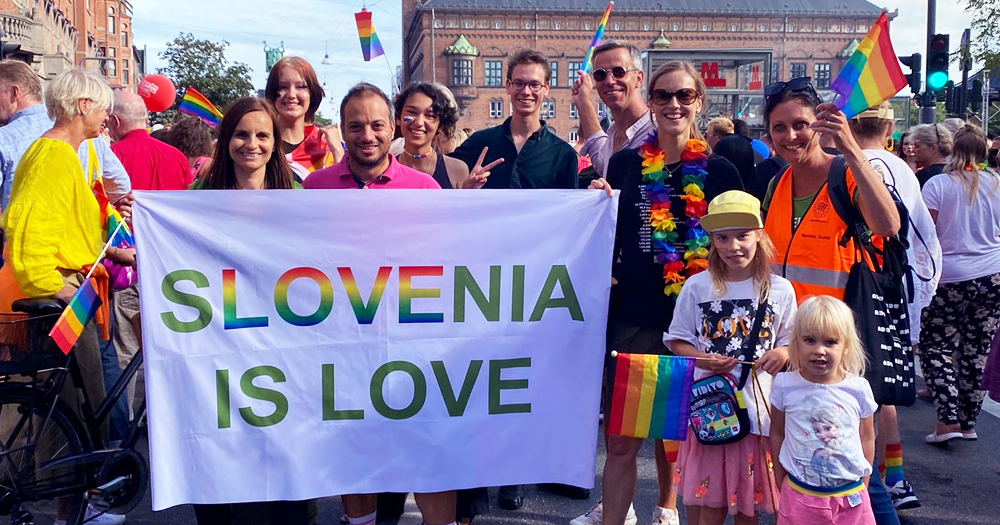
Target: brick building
x=464 y=44
x=58 y=34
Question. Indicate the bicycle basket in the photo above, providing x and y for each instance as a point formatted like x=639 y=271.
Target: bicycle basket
x=25 y=345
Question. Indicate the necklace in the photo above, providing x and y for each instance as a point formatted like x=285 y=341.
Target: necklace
x=656 y=177
x=419 y=155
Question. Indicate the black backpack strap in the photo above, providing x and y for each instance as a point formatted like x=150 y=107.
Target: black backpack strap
x=750 y=343
x=836 y=186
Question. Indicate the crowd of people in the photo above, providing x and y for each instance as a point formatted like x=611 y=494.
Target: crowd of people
x=727 y=250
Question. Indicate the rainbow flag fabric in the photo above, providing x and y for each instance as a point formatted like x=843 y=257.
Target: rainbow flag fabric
x=370 y=46
x=588 y=63
x=196 y=105
x=111 y=217
x=80 y=310
x=651 y=397
x=872 y=75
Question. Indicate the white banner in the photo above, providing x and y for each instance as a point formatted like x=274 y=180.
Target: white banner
x=301 y=344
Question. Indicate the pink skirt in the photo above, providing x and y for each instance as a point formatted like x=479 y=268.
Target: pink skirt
x=738 y=476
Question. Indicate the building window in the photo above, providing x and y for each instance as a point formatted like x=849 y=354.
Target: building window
x=818 y=28
x=796 y=70
x=496 y=25
x=496 y=108
x=574 y=71
x=124 y=77
x=527 y=25
x=438 y=24
x=821 y=76
x=774 y=72
x=574 y=136
x=645 y=27
x=111 y=22
x=549 y=108
x=734 y=27
x=573 y=113
x=558 y=25
x=554 y=66
x=461 y=73
x=677 y=27
x=617 y=27
x=704 y=26
x=586 y=26
x=468 y=25
x=111 y=67
x=124 y=38
x=601 y=110
x=848 y=28
x=762 y=28
x=494 y=73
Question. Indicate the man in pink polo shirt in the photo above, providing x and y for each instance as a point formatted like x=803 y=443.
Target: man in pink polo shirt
x=367 y=124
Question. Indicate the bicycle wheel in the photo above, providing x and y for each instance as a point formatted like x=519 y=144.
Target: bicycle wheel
x=34 y=437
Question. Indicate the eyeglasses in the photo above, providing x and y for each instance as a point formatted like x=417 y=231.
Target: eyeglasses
x=936 y=134
x=617 y=72
x=685 y=96
x=518 y=85
x=795 y=85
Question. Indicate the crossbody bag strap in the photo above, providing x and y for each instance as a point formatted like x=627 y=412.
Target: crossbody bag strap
x=750 y=344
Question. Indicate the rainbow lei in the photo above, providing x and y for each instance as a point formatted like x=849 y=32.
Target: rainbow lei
x=676 y=267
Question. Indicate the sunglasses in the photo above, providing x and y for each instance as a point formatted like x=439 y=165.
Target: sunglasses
x=795 y=85
x=685 y=96
x=518 y=85
x=617 y=72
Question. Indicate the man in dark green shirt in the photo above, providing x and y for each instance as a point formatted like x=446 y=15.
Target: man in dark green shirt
x=533 y=156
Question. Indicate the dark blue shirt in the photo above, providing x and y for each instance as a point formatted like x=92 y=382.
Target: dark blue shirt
x=545 y=161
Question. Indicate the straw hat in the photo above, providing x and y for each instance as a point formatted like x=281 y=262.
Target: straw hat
x=733 y=209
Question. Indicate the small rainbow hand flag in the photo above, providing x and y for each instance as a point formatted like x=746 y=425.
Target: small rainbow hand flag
x=370 y=46
x=196 y=105
x=80 y=310
x=872 y=75
x=651 y=396
x=588 y=63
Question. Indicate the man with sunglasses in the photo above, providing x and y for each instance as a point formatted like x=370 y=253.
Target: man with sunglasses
x=533 y=156
x=617 y=78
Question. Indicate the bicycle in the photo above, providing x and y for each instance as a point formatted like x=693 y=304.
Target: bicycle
x=54 y=461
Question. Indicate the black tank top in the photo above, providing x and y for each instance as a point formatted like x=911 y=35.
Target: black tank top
x=441 y=173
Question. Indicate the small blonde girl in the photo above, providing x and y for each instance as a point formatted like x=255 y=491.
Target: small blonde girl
x=712 y=322
x=822 y=412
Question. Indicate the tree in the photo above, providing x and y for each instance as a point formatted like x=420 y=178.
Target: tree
x=986 y=27
x=203 y=65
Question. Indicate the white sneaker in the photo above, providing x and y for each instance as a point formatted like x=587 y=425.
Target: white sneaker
x=595 y=516
x=94 y=517
x=662 y=516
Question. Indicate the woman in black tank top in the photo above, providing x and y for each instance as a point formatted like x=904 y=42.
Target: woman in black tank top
x=423 y=111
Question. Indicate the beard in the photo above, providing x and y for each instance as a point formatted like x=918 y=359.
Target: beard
x=365 y=163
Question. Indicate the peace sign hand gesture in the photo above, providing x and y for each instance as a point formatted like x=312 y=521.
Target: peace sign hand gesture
x=479 y=174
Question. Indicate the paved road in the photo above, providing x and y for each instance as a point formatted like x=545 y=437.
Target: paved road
x=958 y=484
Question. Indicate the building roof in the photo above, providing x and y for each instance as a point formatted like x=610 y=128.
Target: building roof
x=670 y=7
x=461 y=47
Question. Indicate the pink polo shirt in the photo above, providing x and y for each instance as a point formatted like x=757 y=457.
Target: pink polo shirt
x=395 y=177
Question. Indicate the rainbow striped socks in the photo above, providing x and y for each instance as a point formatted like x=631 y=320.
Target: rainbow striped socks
x=893 y=464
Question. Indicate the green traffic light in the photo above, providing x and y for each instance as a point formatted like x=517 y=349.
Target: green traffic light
x=937 y=80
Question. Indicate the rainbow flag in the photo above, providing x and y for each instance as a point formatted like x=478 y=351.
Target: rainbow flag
x=78 y=313
x=111 y=217
x=196 y=105
x=370 y=46
x=587 y=61
x=651 y=397
x=872 y=75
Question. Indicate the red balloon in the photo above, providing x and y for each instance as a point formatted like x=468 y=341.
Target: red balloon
x=158 y=92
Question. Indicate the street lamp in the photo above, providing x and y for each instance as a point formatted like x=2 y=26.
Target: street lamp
x=104 y=62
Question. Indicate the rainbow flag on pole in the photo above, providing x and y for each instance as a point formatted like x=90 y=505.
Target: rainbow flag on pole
x=588 y=63
x=80 y=310
x=651 y=397
x=196 y=105
x=370 y=46
x=872 y=75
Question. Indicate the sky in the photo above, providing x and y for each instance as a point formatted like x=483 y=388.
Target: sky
x=313 y=28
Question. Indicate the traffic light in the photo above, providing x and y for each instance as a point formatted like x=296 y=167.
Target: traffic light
x=976 y=97
x=950 y=98
x=8 y=49
x=913 y=62
x=937 y=63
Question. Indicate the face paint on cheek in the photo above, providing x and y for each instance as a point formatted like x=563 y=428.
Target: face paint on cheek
x=408 y=119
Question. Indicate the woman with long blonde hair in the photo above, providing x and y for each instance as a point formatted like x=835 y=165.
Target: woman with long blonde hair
x=958 y=326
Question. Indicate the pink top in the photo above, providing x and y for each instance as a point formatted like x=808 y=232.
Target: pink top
x=395 y=177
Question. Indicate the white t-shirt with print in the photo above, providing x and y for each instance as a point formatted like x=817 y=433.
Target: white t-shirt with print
x=718 y=324
x=822 y=444
x=969 y=231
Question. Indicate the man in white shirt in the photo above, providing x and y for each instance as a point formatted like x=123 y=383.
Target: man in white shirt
x=871 y=129
x=617 y=77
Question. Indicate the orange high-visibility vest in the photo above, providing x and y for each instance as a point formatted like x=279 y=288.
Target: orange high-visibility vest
x=811 y=256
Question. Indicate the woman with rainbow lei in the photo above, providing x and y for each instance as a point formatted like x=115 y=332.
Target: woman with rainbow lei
x=665 y=188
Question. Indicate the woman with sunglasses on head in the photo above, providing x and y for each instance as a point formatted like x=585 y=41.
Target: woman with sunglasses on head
x=295 y=92
x=247 y=158
x=814 y=260
x=659 y=243
x=932 y=144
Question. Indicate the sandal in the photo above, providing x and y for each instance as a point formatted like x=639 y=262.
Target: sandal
x=939 y=439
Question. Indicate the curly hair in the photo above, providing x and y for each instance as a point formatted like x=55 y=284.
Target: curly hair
x=442 y=104
x=192 y=136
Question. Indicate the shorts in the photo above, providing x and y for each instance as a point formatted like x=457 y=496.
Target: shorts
x=797 y=507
